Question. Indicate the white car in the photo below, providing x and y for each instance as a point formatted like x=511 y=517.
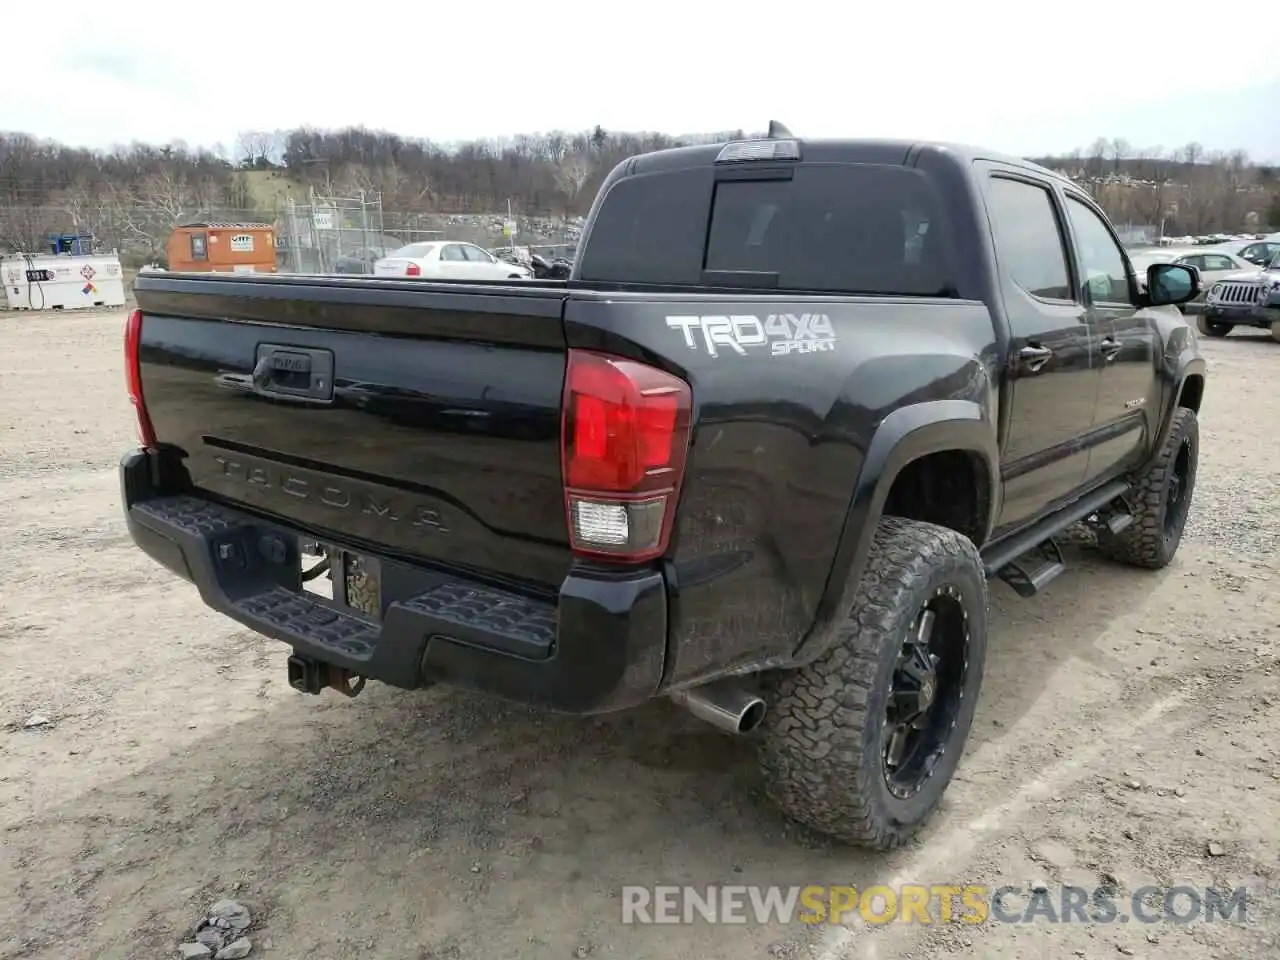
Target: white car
x=1212 y=263
x=447 y=260
x=1215 y=265
x=1257 y=252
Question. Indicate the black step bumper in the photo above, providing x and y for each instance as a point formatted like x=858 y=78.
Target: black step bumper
x=601 y=646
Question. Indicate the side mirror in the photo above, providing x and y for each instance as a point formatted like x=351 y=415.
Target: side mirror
x=1171 y=283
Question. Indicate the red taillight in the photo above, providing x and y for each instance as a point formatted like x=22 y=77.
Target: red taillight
x=623 y=442
x=133 y=377
x=413 y=270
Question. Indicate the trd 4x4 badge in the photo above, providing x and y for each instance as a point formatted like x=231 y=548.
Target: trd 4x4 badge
x=785 y=333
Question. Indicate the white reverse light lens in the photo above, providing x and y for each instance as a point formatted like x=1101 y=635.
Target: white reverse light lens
x=601 y=524
x=614 y=527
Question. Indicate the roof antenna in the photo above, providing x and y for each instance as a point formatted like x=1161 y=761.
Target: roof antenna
x=777 y=131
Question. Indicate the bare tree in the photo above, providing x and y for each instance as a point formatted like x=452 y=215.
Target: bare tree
x=557 y=146
x=1119 y=148
x=571 y=175
x=259 y=149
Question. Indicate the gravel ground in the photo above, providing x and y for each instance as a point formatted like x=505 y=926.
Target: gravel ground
x=1126 y=736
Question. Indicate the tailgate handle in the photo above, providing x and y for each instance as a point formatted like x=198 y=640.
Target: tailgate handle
x=299 y=373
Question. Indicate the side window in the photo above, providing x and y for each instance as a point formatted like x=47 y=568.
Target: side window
x=1196 y=261
x=1101 y=260
x=475 y=254
x=452 y=252
x=199 y=248
x=1217 y=262
x=1028 y=239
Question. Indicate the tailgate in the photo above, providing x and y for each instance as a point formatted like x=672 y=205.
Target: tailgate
x=418 y=421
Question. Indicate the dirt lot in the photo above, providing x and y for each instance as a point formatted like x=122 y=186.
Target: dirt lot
x=1128 y=721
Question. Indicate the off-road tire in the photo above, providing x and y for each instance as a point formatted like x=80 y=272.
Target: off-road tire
x=1275 y=330
x=822 y=739
x=1145 y=542
x=1212 y=328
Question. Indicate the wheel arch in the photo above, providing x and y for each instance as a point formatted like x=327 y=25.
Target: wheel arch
x=907 y=441
x=1188 y=391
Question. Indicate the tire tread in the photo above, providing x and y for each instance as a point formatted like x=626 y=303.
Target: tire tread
x=1142 y=543
x=812 y=754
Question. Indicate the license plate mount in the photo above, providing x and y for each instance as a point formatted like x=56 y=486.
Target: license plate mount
x=347 y=581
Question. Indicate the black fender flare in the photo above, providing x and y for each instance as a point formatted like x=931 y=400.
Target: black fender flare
x=1187 y=365
x=905 y=435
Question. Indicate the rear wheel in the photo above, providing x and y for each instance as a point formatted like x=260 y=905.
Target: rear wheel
x=862 y=743
x=1212 y=328
x=1161 y=501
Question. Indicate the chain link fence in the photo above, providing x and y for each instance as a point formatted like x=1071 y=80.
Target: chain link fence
x=318 y=235
x=346 y=234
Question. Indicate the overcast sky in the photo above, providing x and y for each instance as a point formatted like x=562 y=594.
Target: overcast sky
x=1021 y=77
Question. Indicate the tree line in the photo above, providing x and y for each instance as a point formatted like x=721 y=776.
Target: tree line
x=1186 y=190
x=132 y=196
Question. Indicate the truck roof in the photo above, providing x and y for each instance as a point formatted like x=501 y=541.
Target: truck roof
x=853 y=150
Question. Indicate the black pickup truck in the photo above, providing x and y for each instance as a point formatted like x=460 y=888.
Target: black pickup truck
x=761 y=454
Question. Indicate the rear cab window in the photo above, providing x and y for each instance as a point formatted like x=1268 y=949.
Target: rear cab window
x=839 y=228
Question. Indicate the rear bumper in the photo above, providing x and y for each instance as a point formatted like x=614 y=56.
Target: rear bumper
x=601 y=646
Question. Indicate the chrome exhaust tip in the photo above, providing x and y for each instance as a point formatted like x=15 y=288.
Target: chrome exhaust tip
x=723 y=704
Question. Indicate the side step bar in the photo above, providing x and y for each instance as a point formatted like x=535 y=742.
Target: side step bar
x=1029 y=560
x=1031 y=572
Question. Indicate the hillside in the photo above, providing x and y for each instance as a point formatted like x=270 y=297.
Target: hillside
x=271 y=190
x=132 y=197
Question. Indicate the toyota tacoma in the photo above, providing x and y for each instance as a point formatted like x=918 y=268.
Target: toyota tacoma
x=799 y=402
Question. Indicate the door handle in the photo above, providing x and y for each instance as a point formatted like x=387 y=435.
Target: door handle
x=1034 y=357
x=1111 y=348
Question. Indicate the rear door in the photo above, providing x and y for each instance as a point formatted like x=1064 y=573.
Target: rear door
x=1215 y=266
x=1128 y=386
x=484 y=265
x=1053 y=373
x=454 y=264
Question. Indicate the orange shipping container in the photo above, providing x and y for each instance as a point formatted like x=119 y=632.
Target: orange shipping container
x=223 y=248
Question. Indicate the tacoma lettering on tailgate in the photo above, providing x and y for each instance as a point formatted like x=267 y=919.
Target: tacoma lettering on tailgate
x=335 y=495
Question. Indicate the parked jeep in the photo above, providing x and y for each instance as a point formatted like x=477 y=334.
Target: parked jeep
x=1250 y=298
